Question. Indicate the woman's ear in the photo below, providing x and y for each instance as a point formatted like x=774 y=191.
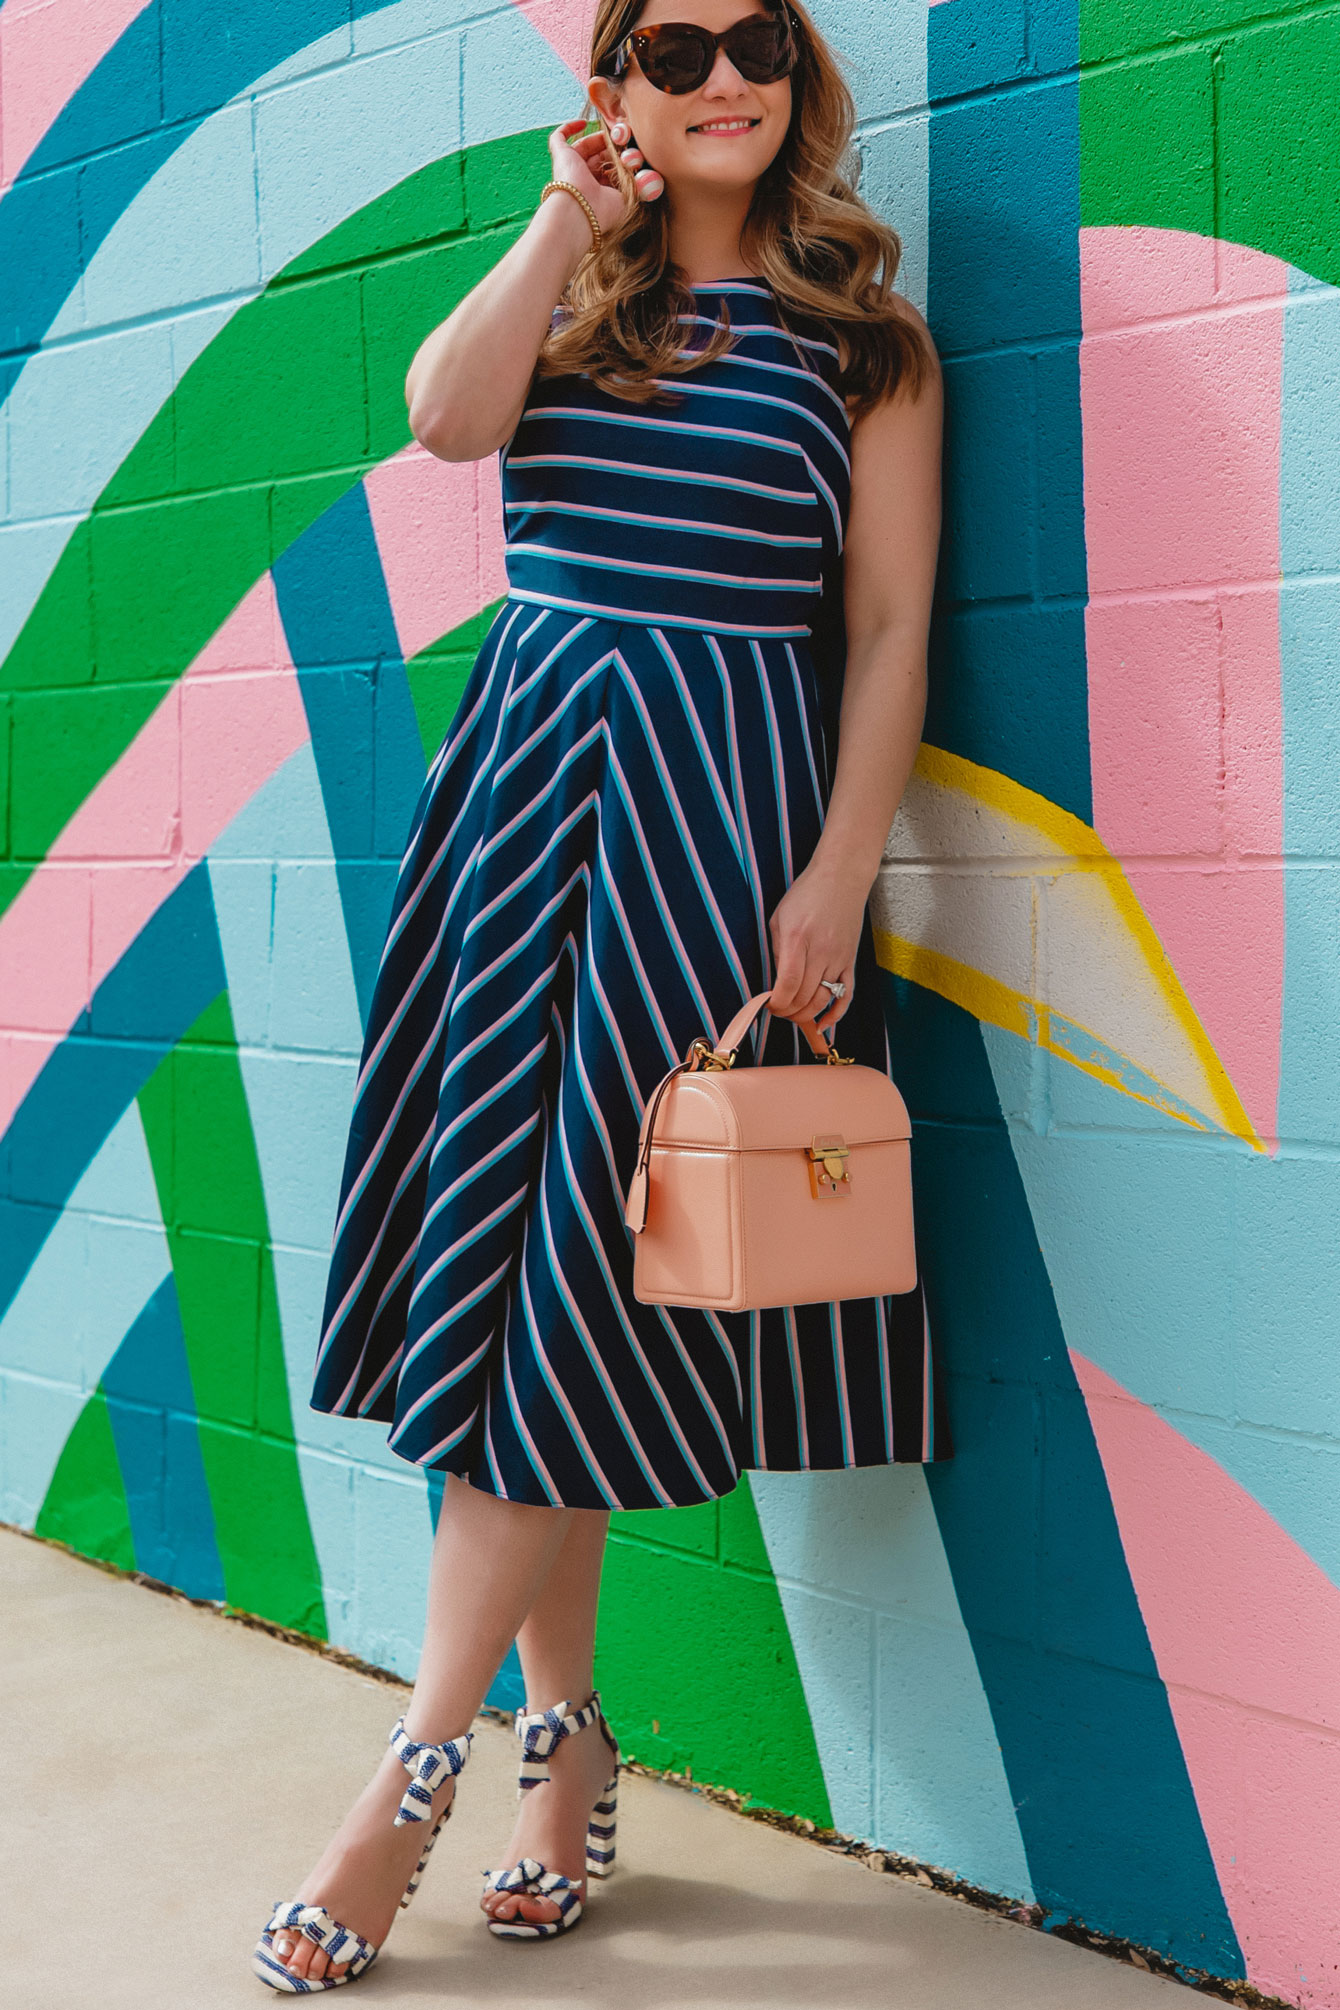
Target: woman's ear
x=604 y=95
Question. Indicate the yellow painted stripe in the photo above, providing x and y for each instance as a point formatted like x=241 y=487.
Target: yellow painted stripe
x=997 y=1004
x=985 y=997
x=1078 y=846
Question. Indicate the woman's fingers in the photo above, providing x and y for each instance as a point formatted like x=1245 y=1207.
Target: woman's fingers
x=787 y=979
x=831 y=1008
x=565 y=135
x=798 y=974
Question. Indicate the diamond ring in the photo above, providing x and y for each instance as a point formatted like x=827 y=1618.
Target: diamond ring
x=835 y=985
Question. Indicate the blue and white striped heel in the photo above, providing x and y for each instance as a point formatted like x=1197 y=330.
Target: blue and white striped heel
x=428 y=1766
x=539 y=1734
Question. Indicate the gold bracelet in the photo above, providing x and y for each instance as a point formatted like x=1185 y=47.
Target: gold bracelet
x=596 y=233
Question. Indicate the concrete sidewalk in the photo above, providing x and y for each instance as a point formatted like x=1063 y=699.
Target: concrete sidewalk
x=168 y=1773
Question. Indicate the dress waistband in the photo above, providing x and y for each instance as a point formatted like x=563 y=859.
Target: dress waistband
x=664 y=597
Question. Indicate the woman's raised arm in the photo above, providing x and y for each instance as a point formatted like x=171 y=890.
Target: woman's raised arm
x=468 y=381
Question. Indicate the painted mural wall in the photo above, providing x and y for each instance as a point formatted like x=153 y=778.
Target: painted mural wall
x=1093 y=1662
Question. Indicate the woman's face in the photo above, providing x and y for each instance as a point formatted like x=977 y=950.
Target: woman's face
x=724 y=134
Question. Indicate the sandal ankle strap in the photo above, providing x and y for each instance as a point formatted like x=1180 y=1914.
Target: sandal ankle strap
x=541 y=1731
x=427 y=1765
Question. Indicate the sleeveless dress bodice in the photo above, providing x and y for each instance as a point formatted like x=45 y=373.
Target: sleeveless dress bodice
x=724 y=511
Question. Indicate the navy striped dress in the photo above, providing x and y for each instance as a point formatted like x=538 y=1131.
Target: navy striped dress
x=638 y=768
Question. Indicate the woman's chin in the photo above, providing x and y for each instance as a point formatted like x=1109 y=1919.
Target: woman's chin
x=717 y=171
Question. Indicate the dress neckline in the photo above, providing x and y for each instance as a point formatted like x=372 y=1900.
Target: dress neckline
x=736 y=279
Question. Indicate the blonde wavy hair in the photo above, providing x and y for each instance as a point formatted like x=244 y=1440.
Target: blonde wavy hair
x=824 y=252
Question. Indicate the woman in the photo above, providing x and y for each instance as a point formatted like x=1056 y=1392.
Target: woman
x=647 y=809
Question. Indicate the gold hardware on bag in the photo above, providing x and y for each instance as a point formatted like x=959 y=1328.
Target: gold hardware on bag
x=830 y=1174
x=702 y=1054
x=836 y=1060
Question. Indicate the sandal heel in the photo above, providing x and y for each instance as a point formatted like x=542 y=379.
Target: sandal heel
x=601 y=1830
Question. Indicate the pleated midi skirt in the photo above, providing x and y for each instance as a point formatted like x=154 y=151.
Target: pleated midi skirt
x=597 y=850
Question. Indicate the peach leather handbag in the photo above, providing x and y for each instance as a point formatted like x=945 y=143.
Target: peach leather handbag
x=780 y=1185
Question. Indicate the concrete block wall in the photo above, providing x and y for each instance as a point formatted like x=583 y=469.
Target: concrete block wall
x=1090 y=1663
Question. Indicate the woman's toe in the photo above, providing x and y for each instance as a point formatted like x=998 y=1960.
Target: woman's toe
x=536 y=1911
x=300 y=1961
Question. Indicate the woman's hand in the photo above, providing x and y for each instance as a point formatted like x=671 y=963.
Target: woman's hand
x=815 y=928
x=587 y=161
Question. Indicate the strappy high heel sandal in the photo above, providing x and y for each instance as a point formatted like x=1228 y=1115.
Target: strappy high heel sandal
x=428 y=1766
x=539 y=1734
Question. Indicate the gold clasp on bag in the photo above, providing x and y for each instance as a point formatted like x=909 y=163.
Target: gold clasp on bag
x=830 y=1174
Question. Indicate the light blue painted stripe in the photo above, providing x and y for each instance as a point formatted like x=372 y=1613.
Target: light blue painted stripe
x=1089 y=1052
x=1309 y=1105
x=905 y=1736
x=151 y=1407
x=97 y=1270
x=1153 y=1238
x=295 y=1010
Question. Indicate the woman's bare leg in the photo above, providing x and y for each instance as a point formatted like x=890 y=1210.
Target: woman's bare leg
x=557 y=1648
x=491 y=1559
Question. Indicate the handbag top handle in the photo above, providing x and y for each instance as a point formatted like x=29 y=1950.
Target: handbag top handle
x=724 y=1052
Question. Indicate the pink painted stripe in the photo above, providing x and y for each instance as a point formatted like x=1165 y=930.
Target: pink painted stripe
x=48 y=48
x=566 y=26
x=1246 y=1631
x=1180 y=374
x=439 y=531
x=215 y=738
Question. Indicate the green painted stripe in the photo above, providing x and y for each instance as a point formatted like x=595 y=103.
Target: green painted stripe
x=437 y=676
x=85 y=1504
x=299 y=394
x=1193 y=116
x=694 y=1658
x=208 y=1177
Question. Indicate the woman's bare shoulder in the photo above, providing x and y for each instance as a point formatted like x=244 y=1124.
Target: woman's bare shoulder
x=910 y=313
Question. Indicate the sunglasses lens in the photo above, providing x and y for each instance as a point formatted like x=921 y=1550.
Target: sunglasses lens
x=677 y=60
x=761 y=50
